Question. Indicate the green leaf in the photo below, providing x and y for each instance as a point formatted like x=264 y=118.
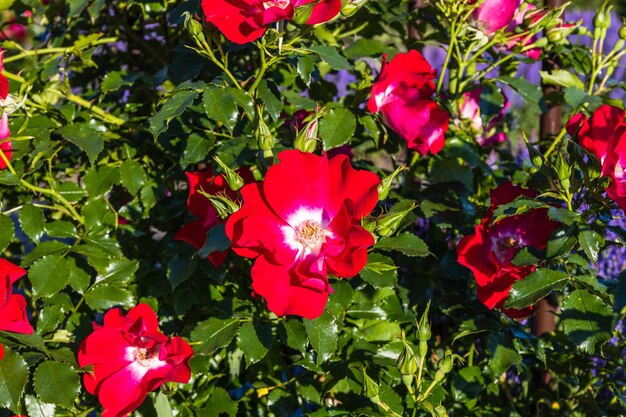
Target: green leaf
x=37 y=408
x=331 y=56
x=272 y=104
x=13 y=379
x=535 y=286
x=133 y=176
x=560 y=243
x=214 y=333
x=296 y=335
x=99 y=181
x=445 y=170
x=87 y=139
x=7 y=232
x=61 y=228
x=255 y=340
x=173 y=107
x=323 y=334
x=180 y=270
x=115 y=80
x=586 y=320
x=220 y=106
x=243 y=99
x=162 y=406
x=531 y=93
x=364 y=47
x=380 y=271
x=562 y=78
x=591 y=242
x=337 y=127
x=576 y=97
x=119 y=270
x=32 y=221
x=196 y=150
x=503 y=353
x=379 y=331
x=219 y=403
x=216 y=241
x=57 y=383
x=49 y=275
x=305 y=68
x=104 y=296
x=48 y=247
x=406 y=243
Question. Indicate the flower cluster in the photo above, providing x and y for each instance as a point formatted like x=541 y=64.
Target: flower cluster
x=301 y=224
x=489 y=252
x=604 y=135
x=13 y=316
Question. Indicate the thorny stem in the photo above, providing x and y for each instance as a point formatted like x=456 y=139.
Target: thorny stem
x=555 y=142
x=59 y=50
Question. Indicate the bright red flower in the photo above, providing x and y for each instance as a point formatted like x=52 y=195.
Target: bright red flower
x=243 y=21
x=302 y=223
x=131 y=358
x=604 y=135
x=13 y=317
x=493 y=15
x=403 y=94
x=195 y=232
x=489 y=251
x=597 y=133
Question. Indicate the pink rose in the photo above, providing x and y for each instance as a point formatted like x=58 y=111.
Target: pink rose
x=493 y=15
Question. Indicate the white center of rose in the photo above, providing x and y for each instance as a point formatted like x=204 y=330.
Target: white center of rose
x=283 y=4
x=310 y=234
x=146 y=357
x=306 y=231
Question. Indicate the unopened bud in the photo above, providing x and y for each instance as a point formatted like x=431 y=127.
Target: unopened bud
x=222 y=204
x=423 y=327
x=439 y=375
x=441 y=411
x=194 y=28
x=446 y=363
x=536 y=157
x=622 y=30
x=388 y=224
x=352 y=6
x=603 y=19
x=264 y=136
x=387 y=182
x=560 y=33
x=234 y=180
x=306 y=140
x=407 y=363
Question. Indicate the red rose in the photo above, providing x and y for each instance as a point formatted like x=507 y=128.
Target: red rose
x=302 y=223
x=493 y=15
x=403 y=94
x=13 y=317
x=597 y=134
x=243 y=21
x=604 y=135
x=130 y=358
x=195 y=232
x=489 y=251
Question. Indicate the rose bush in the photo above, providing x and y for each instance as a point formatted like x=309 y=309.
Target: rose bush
x=311 y=208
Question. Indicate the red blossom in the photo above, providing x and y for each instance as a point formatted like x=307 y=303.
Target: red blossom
x=130 y=358
x=301 y=224
x=489 y=251
x=5 y=145
x=604 y=135
x=403 y=94
x=243 y=21
x=13 y=316
x=195 y=232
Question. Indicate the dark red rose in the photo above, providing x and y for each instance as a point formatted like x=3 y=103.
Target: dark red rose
x=195 y=232
x=489 y=251
x=403 y=95
x=130 y=358
x=302 y=223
